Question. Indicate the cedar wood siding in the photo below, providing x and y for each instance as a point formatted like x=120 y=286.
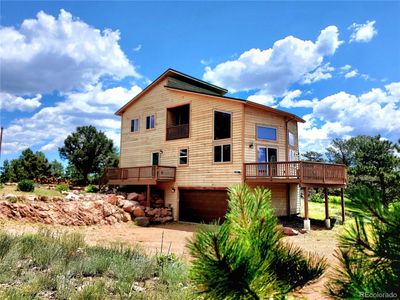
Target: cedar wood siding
x=201 y=171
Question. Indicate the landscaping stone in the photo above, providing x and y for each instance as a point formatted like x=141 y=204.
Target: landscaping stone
x=133 y=196
x=289 y=231
x=138 y=212
x=142 y=221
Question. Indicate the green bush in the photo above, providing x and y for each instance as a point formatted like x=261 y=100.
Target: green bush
x=26 y=185
x=317 y=197
x=91 y=188
x=62 y=187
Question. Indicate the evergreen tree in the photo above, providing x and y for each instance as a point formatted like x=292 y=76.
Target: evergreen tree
x=369 y=251
x=313 y=156
x=56 y=169
x=245 y=257
x=6 y=174
x=88 y=150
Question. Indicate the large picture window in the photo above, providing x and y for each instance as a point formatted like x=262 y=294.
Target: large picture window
x=266 y=133
x=222 y=125
x=222 y=153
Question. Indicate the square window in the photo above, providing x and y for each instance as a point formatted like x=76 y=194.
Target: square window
x=222 y=153
x=135 y=125
x=150 y=122
x=266 y=133
x=183 y=156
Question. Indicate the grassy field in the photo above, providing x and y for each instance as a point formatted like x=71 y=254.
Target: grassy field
x=49 y=265
x=317 y=209
x=39 y=191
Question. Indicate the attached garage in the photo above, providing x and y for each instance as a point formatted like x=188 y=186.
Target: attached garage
x=202 y=206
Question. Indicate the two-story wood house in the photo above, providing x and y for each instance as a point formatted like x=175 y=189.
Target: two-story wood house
x=184 y=136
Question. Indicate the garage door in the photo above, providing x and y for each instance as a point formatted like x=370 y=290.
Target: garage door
x=202 y=206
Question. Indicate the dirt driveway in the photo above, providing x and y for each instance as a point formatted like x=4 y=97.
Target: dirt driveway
x=174 y=238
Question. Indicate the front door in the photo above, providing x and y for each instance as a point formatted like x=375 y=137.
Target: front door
x=155 y=156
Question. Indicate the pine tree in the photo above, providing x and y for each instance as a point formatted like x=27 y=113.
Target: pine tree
x=369 y=250
x=245 y=257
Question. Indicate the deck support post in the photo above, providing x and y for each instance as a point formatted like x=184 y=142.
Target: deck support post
x=327 y=220
x=288 y=200
x=148 y=196
x=307 y=223
x=342 y=202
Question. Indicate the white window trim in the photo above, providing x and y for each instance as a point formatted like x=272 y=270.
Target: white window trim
x=180 y=156
x=138 y=125
x=154 y=122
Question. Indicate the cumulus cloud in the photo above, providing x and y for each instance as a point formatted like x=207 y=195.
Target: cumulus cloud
x=9 y=102
x=59 y=53
x=363 y=32
x=344 y=114
x=289 y=100
x=352 y=73
x=271 y=71
x=48 y=128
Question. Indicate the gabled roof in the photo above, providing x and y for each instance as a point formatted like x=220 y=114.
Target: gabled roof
x=189 y=84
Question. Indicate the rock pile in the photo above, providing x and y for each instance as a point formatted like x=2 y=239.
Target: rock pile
x=75 y=208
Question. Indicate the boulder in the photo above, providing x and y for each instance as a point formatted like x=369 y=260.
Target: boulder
x=142 y=197
x=43 y=198
x=289 y=231
x=138 y=212
x=32 y=198
x=112 y=199
x=129 y=206
x=142 y=221
x=133 y=196
x=10 y=197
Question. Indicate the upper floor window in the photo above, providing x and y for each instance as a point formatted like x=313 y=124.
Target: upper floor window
x=134 y=125
x=292 y=155
x=150 y=122
x=183 y=156
x=291 y=138
x=222 y=153
x=222 y=125
x=266 y=133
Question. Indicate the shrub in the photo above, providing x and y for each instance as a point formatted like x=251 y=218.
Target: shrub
x=91 y=188
x=62 y=187
x=317 y=197
x=26 y=185
x=245 y=257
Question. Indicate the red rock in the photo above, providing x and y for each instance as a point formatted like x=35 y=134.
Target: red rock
x=112 y=199
x=133 y=196
x=289 y=231
x=138 y=212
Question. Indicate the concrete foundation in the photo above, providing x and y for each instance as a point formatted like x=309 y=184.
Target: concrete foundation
x=307 y=225
x=328 y=223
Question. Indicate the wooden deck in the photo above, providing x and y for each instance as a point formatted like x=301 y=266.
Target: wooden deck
x=139 y=175
x=311 y=174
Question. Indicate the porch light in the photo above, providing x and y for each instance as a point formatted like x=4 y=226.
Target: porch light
x=251 y=145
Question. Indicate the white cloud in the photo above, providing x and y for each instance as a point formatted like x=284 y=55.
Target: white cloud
x=321 y=73
x=63 y=53
x=9 y=102
x=273 y=70
x=363 y=32
x=289 y=102
x=137 y=48
x=48 y=128
x=352 y=73
x=343 y=114
x=262 y=99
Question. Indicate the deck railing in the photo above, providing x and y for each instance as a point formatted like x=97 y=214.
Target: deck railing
x=178 y=132
x=297 y=171
x=159 y=173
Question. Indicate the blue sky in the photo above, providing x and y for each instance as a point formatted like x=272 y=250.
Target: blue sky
x=65 y=64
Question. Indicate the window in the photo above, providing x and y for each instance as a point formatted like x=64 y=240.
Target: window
x=266 y=133
x=292 y=155
x=135 y=125
x=222 y=153
x=222 y=125
x=183 y=156
x=150 y=122
x=291 y=138
x=155 y=158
